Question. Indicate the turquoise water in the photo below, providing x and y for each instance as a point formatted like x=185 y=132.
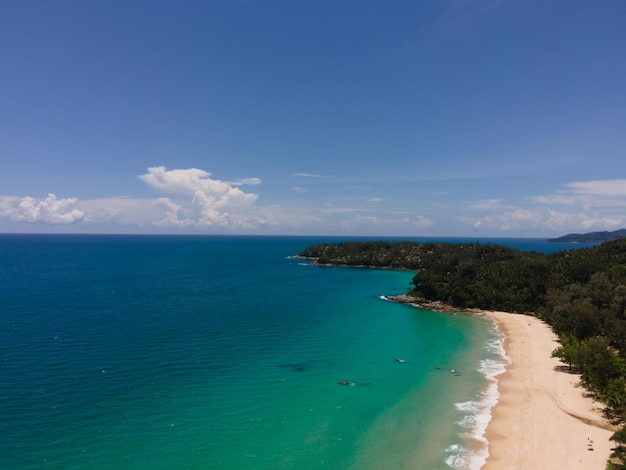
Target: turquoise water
x=224 y=352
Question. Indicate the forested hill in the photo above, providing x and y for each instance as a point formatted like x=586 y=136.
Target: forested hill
x=591 y=237
x=581 y=293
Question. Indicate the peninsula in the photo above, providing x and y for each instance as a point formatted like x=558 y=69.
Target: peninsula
x=575 y=300
x=591 y=237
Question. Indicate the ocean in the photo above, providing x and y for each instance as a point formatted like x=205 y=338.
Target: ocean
x=209 y=352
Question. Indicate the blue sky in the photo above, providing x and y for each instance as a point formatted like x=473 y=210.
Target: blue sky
x=405 y=118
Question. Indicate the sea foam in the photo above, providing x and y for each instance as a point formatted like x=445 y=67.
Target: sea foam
x=477 y=413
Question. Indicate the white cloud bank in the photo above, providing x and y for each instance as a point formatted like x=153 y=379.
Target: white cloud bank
x=51 y=211
x=599 y=193
x=187 y=199
x=615 y=187
x=193 y=201
x=582 y=206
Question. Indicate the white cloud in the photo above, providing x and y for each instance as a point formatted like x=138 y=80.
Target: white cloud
x=583 y=221
x=515 y=220
x=369 y=218
x=420 y=222
x=193 y=201
x=361 y=224
x=614 y=187
x=559 y=221
x=171 y=214
x=560 y=199
x=486 y=204
x=209 y=202
x=51 y=211
x=245 y=181
x=581 y=206
x=423 y=222
x=309 y=175
x=192 y=180
x=121 y=211
x=588 y=194
x=187 y=200
x=339 y=210
x=535 y=220
x=604 y=223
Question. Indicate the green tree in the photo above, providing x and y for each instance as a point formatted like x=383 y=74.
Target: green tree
x=597 y=363
x=619 y=436
x=568 y=351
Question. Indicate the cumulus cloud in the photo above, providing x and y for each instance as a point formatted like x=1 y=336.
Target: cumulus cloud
x=188 y=200
x=50 y=210
x=203 y=201
x=192 y=180
x=171 y=214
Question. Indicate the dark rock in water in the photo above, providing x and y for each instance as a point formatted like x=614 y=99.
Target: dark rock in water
x=296 y=367
x=353 y=384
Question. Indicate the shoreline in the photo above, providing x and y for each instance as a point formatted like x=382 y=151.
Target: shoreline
x=542 y=418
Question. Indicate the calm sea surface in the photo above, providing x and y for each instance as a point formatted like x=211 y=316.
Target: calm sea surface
x=223 y=352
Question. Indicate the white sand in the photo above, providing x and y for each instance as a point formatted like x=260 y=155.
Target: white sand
x=542 y=419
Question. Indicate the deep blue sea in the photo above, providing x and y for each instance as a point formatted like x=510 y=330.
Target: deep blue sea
x=180 y=352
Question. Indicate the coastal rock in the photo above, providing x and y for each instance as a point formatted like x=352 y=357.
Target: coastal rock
x=432 y=305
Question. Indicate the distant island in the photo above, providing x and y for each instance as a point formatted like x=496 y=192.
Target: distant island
x=591 y=237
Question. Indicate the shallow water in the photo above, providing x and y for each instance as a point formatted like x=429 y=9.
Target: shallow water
x=223 y=352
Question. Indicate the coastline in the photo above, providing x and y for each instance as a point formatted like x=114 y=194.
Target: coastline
x=542 y=418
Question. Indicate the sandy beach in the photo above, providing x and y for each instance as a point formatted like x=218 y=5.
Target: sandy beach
x=542 y=419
